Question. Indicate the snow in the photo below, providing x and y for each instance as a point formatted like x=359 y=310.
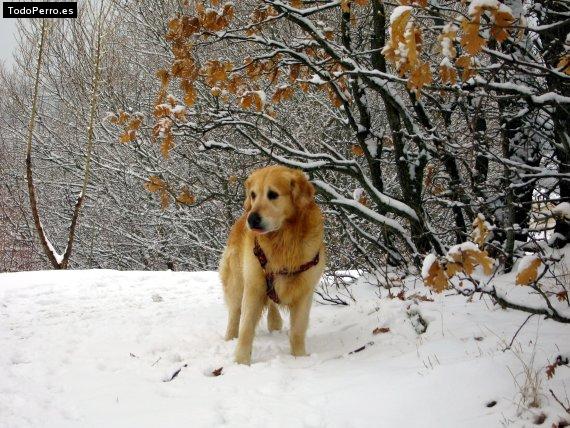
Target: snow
x=357 y=193
x=316 y=80
x=463 y=247
x=429 y=260
x=445 y=62
x=487 y=4
x=92 y=348
x=562 y=210
x=398 y=11
x=58 y=257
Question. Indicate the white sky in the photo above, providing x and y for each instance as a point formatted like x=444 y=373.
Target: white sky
x=7 y=40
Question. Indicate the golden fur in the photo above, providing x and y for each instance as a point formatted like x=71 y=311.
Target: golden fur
x=293 y=236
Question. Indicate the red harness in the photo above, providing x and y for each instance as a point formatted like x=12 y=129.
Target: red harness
x=270 y=276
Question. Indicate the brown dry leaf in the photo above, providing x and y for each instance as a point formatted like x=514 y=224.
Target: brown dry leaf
x=551 y=370
x=252 y=99
x=161 y=110
x=345 y=5
x=284 y=92
x=471 y=41
x=190 y=95
x=164 y=76
x=297 y=4
x=127 y=136
x=421 y=3
x=480 y=232
x=503 y=20
x=123 y=117
x=465 y=62
x=420 y=77
x=217 y=372
x=380 y=330
x=134 y=124
x=154 y=184
x=274 y=75
x=452 y=268
x=216 y=71
x=397 y=36
x=469 y=259
x=447 y=74
x=186 y=197
x=164 y=199
x=232 y=179
x=167 y=145
x=189 y=26
x=357 y=150
x=564 y=64
x=335 y=99
x=437 y=278
x=294 y=71
x=529 y=274
x=429 y=175
x=185 y=68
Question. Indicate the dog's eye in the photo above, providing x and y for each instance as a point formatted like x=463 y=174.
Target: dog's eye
x=252 y=195
x=272 y=195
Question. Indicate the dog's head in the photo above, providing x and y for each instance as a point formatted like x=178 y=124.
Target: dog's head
x=274 y=195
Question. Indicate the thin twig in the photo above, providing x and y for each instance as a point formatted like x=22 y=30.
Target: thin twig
x=517 y=332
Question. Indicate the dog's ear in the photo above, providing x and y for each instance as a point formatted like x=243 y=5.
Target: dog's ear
x=247 y=201
x=302 y=190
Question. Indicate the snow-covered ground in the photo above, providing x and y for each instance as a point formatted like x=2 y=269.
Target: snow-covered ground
x=93 y=348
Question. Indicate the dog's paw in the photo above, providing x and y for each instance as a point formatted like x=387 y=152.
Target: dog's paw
x=299 y=353
x=230 y=336
x=243 y=358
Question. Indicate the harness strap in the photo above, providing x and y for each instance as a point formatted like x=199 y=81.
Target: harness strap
x=270 y=276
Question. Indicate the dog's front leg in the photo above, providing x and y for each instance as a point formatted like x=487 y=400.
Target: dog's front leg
x=299 y=319
x=252 y=306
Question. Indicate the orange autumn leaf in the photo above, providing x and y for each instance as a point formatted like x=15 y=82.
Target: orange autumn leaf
x=154 y=184
x=465 y=62
x=447 y=74
x=284 y=92
x=356 y=150
x=480 y=231
x=167 y=145
x=564 y=64
x=503 y=20
x=420 y=77
x=185 y=197
x=436 y=277
x=469 y=259
x=252 y=99
x=471 y=41
x=530 y=271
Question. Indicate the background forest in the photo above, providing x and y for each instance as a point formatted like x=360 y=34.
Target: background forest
x=422 y=124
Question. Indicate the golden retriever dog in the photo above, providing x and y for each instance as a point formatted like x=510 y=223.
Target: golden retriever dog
x=274 y=258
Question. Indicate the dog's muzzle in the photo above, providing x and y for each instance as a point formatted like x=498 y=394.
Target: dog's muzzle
x=254 y=221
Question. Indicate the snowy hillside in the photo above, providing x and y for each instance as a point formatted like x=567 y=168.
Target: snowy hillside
x=94 y=348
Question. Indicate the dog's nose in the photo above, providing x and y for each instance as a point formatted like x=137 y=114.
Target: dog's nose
x=254 y=221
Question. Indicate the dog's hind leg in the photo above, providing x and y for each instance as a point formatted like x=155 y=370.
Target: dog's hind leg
x=274 y=321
